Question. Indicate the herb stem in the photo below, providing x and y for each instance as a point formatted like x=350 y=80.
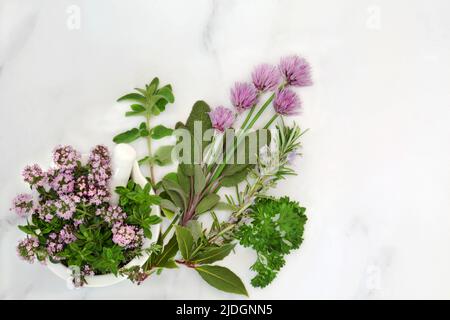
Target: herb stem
x=242 y=135
x=248 y=117
x=275 y=116
x=260 y=112
x=149 y=146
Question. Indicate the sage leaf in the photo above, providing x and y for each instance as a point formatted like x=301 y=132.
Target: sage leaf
x=222 y=278
x=213 y=254
x=137 y=107
x=132 y=96
x=167 y=204
x=161 y=131
x=185 y=241
x=207 y=203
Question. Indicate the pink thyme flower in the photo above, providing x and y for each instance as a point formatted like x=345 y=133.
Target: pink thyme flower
x=66 y=234
x=66 y=157
x=222 y=118
x=286 y=102
x=296 y=71
x=23 y=205
x=27 y=249
x=243 y=96
x=65 y=207
x=34 y=175
x=77 y=222
x=87 y=270
x=46 y=211
x=266 y=77
x=127 y=236
x=54 y=245
x=112 y=215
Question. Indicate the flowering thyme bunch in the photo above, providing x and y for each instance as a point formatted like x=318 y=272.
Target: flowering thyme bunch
x=70 y=220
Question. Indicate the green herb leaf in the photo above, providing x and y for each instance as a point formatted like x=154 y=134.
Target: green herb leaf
x=207 y=203
x=172 y=188
x=183 y=180
x=127 y=136
x=185 y=241
x=235 y=179
x=196 y=229
x=167 y=94
x=132 y=96
x=163 y=156
x=168 y=252
x=222 y=278
x=161 y=131
x=275 y=230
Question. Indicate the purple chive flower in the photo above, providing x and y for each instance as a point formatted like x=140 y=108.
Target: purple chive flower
x=23 y=205
x=222 y=118
x=34 y=175
x=27 y=249
x=66 y=157
x=266 y=77
x=296 y=71
x=65 y=207
x=243 y=96
x=286 y=102
x=112 y=215
x=127 y=236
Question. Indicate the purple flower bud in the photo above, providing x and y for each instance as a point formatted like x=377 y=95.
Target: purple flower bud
x=243 y=96
x=222 y=118
x=296 y=71
x=286 y=102
x=266 y=77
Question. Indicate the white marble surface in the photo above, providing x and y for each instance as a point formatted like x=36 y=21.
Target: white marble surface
x=375 y=173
